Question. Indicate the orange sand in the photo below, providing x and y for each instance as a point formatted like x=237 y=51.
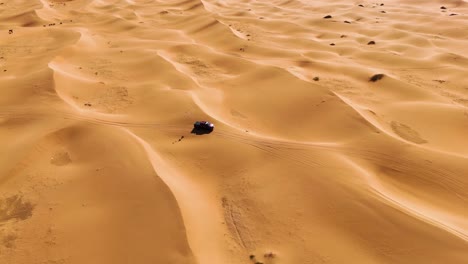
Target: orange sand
x=97 y=94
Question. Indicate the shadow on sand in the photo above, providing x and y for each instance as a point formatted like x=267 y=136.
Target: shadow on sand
x=199 y=131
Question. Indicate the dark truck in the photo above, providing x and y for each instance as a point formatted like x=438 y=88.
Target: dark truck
x=203 y=125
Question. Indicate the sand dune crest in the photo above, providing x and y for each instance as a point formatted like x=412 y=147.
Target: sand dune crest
x=340 y=131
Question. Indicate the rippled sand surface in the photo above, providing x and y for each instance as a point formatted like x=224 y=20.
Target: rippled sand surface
x=341 y=131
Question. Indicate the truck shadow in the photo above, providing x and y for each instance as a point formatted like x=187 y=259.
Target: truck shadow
x=200 y=131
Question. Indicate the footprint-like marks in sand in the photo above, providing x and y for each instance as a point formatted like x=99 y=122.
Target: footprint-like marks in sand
x=60 y=159
x=15 y=208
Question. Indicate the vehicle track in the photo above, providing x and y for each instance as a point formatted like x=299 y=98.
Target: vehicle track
x=276 y=148
x=296 y=152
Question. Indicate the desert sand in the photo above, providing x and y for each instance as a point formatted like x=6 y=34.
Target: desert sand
x=310 y=159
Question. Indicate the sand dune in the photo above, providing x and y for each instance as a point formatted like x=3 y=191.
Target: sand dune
x=312 y=159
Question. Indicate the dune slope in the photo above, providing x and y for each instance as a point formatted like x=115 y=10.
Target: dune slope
x=340 y=131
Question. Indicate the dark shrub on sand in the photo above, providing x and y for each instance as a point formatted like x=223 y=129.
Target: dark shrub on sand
x=376 y=77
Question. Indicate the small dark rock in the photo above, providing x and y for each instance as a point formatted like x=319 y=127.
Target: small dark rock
x=376 y=77
x=381 y=4
x=332 y=44
x=10 y=31
x=443 y=7
x=316 y=79
x=371 y=42
x=252 y=256
x=87 y=104
x=327 y=17
x=343 y=36
x=361 y=5
x=347 y=22
x=383 y=12
x=452 y=14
